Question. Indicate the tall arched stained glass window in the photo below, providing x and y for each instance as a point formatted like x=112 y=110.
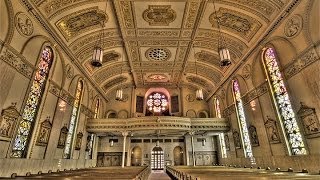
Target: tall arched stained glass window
x=289 y=124
x=29 y=114
x=73 y=120
x=221 y=135
x=242 y=120
x=96 y=108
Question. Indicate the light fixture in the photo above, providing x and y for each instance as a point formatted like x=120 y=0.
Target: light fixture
x=97 y=56
x=224 y=53
x=119 y=92
x=203 y=142
x=199 y=92
x=111 y=142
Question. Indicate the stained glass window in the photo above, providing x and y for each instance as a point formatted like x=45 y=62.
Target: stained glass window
x=29 y=114
x=157 y=102
x=73 y=120
x=242 y=120
x=221 y=135
x=96 y=109
x=283 y=105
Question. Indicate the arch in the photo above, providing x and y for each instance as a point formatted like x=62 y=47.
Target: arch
x=191 y=113
x=74 y=120
x=73 y=86
x=294 y=138
x=123 y=114
x=178 y=154
x=203 y=114
x=136 y=156
x=245 y=139
x=5 y=19
x=312 y=21
x=33 y=101
x=111 y=114
x=157 y=158
x=243 y=88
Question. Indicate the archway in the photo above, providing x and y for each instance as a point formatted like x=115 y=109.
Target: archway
x=178 y=156
x=157 y=158
x=136 y=156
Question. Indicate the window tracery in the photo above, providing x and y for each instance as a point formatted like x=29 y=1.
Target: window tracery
x=283 y=105
x=73 y=120
x=31 y=107
x=157 y=102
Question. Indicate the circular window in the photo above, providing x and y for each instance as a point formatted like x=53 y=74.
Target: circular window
x=158 y=54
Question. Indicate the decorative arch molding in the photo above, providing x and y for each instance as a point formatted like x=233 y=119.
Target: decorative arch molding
x=203 y=114
x=123 y=114
x=191 y=113
x=111 y=114
x=11 y=28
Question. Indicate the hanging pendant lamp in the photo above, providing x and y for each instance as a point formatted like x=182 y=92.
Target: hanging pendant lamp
x=199 y=94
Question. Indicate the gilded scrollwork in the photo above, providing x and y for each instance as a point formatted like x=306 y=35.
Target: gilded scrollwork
x=159 y=15
x=81 y=21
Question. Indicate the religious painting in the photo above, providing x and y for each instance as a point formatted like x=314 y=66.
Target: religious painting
x=237 y=140
x=8 y=119
x=272 y=131
x=62 y=137
x=253 y=136
x=78 y=141
x=309 y=120
x=44 y=132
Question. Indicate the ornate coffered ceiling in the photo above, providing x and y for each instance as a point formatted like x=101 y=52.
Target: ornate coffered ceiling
x=159 y=42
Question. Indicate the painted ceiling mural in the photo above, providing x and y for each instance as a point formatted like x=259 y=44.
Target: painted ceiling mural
x=149 y=43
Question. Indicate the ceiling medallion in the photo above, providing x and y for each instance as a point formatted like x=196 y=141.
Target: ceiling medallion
x=158 y=54
x=157 y=77
x=159 y=15
x=23 y=24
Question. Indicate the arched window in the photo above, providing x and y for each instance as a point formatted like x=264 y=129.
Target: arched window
x=217 y=107
x=29 y=114
x=73 y=120
x=294 y=139
x=242 y=120
x=97 y=108
x=221 y=135
x=157 y=103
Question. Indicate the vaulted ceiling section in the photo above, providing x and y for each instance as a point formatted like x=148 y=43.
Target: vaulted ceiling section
x=167 y=43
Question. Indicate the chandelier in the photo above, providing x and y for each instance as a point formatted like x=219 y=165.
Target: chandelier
x=224 y=53
x=199 y=92
x=97 y=56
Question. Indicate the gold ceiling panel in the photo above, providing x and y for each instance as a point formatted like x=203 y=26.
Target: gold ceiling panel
x=81 y=21
x=159 y=15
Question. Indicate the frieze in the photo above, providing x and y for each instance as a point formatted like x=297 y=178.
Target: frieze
x=130 y=32
x=115 y=81
x=81 y=21
x=67 y=97
x=229 y=110
x=54 y=88
x=301 y=62
x=159 y=15
x=197 y=80
x=257 y=5
x=239 y=23
x=207 y=57
x=127 y=14
x=134 y=52
x=254 y=93
x=159 y=43
x=186 y=33
x=16 y=61
x=92 y=37
x=293 y=26
x=102 y=75
x=23 y=24
x=192 y=14
x=157 y=33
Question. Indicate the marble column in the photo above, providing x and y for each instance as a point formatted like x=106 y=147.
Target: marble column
x=124 y=134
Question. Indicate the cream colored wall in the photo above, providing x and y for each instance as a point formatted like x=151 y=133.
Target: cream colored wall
x=302 y=87
x=15 y=87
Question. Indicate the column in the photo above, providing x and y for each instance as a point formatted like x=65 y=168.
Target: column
x=192 y=147
x=124 y=134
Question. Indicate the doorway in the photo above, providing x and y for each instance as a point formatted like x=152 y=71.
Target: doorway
x=157 y=158
x=136 y=155
x=178 y=156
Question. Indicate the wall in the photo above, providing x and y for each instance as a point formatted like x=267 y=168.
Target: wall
x=298 y=57
x=19 y=54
